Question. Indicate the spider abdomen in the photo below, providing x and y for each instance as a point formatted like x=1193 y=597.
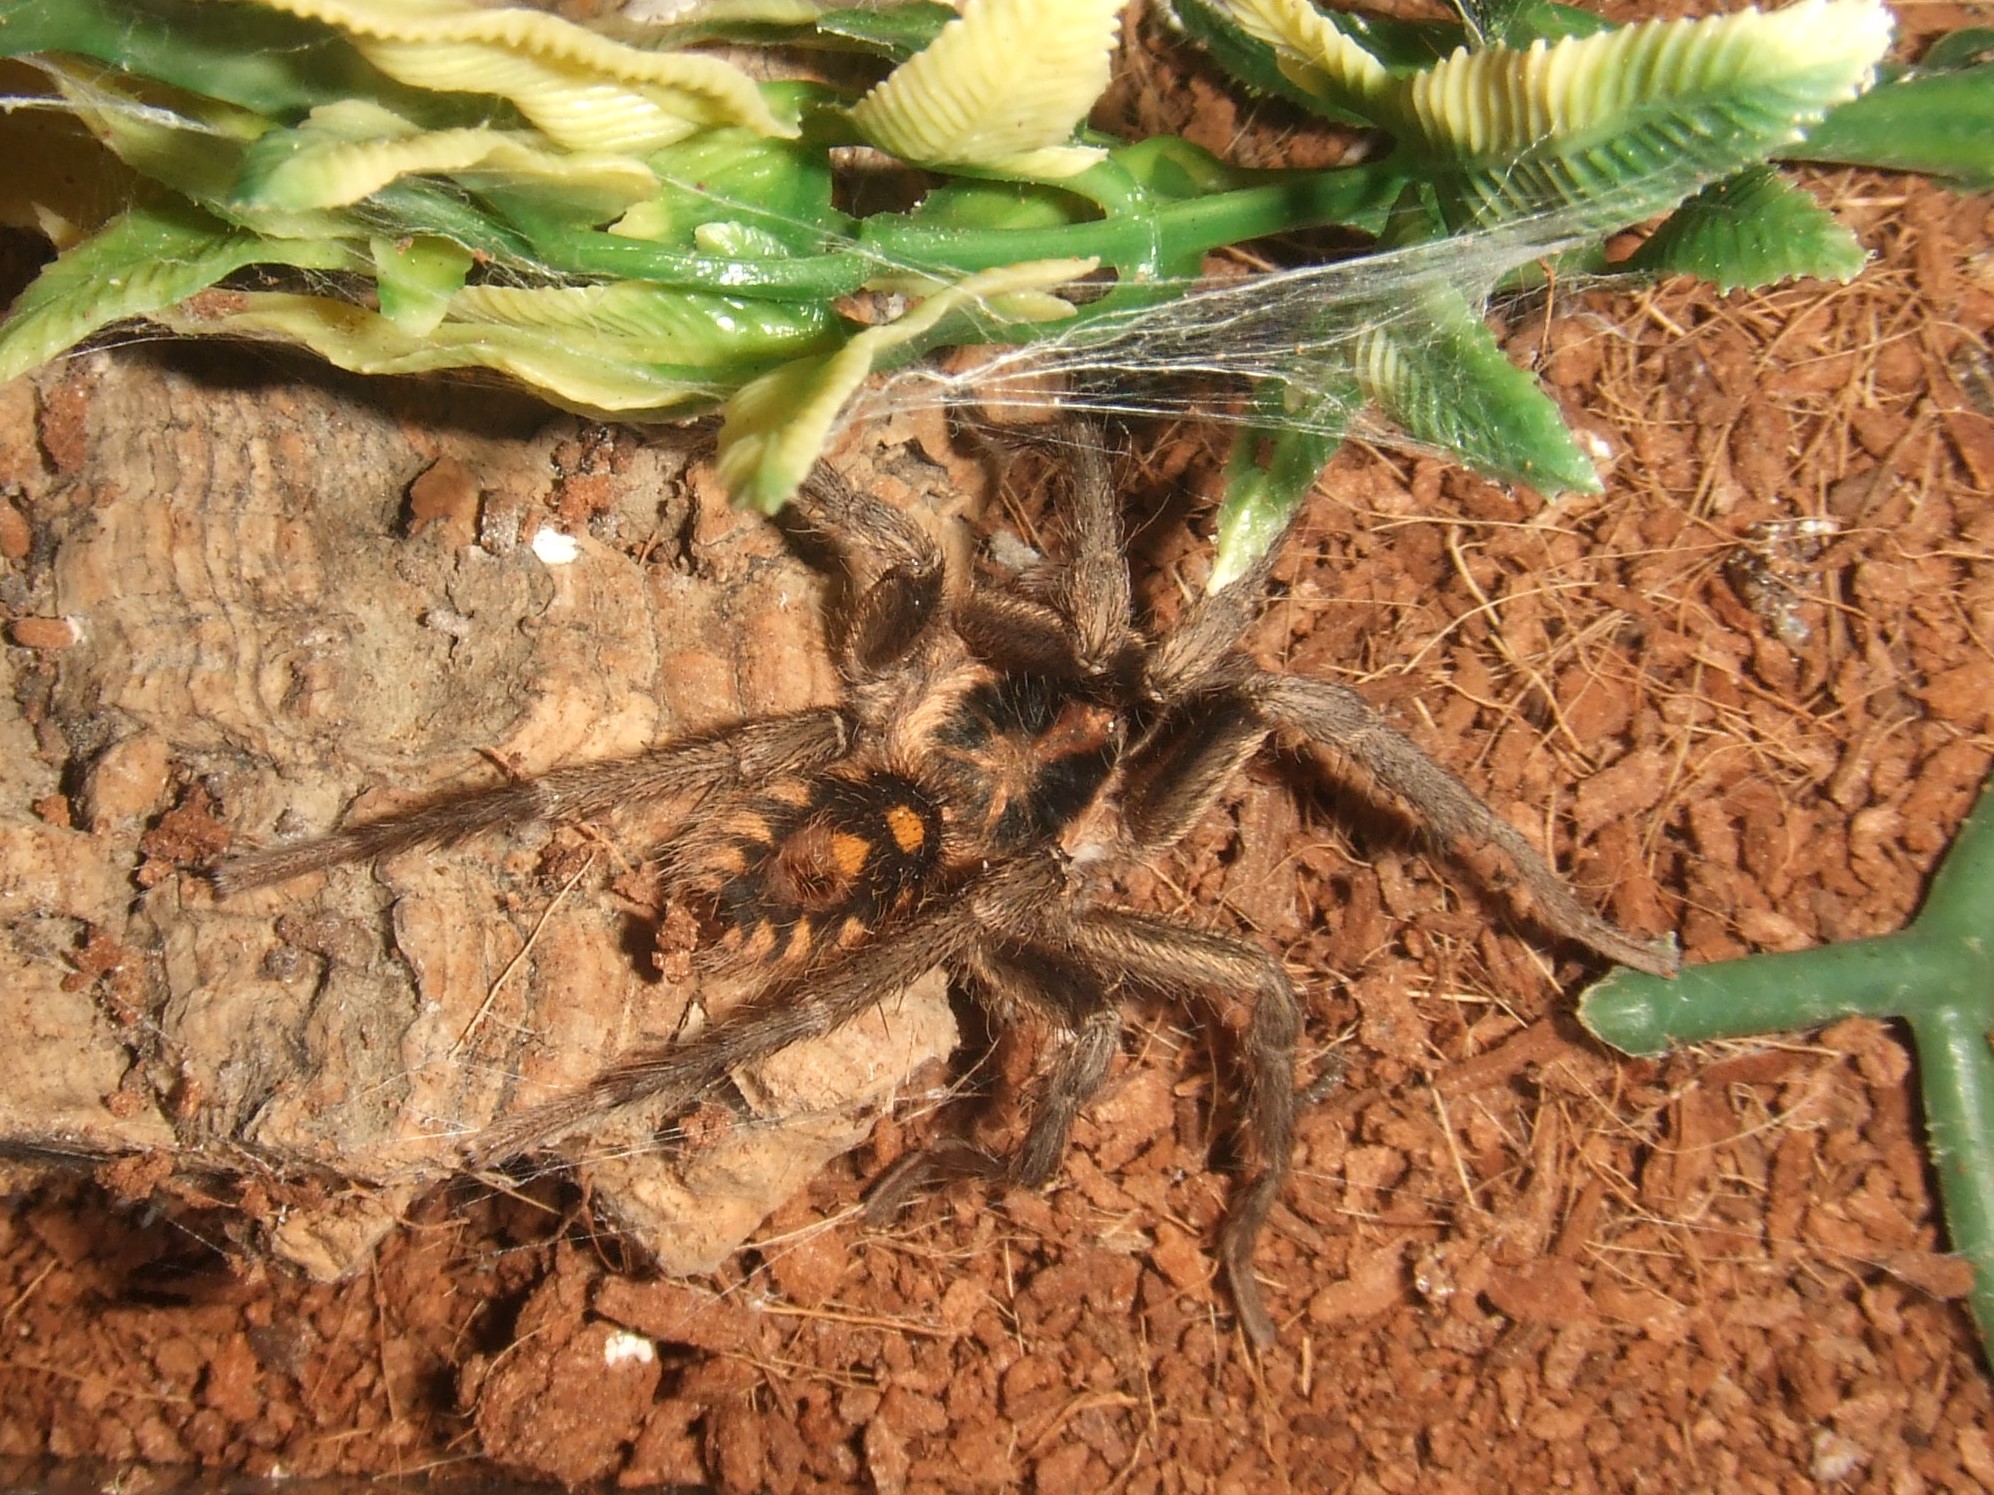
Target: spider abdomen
x=817 y=862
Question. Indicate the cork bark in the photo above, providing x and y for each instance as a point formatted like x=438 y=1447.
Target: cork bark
x=254 y=605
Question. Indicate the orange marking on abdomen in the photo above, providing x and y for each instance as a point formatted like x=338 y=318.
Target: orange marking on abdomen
x=848 y=852
x=909 y=834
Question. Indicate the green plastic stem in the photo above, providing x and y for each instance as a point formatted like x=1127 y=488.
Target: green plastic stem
x=1177 y=230
x=1172 y=232
x=1888 y=977
x=1956 y=1075
x=1937 y=975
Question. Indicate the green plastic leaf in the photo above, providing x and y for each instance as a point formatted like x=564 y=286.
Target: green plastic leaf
x=896 y=31
x=740 y=241
x=778 y=424
x=149 y=258
x=726 y=18
x=415 y=279
x=1438 y=373
x=348 y=151
x=274 y=65
x=782 y=187
x=740 y=13
x=1253 y=61
x=1968 y=47
x=1518 y=23
x=1431 y=367
x=1274 y=463
x=181 y=140
x=972 y=206
x=1754 y=230
x=1316 y=62
x=1172 y=169
x=1615 y=125
x=629 y=320
x=1401 y=47
x=1939 y=121
x=965 y=101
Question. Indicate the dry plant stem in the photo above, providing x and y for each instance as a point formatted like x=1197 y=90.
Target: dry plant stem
x=1937 y=975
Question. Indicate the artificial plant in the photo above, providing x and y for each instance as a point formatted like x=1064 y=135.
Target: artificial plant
x=1937 y=976
x=636 y=227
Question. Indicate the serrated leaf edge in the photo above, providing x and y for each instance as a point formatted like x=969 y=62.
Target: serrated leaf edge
x=348 y=151
x=965 y=100
x=1312 y=54
x=583 y=89
x=1499 y=102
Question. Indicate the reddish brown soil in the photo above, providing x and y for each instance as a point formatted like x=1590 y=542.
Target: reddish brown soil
x=1509 y=1259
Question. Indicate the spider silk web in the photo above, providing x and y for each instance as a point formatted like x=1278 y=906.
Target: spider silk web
x=1213 y=347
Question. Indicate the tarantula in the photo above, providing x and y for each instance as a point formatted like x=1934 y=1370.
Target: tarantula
x=1002 y=748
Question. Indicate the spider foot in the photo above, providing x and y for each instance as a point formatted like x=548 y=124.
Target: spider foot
x=1236 y=1246
x=919 y=1172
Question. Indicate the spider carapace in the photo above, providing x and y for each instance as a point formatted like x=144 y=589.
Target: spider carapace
x=1002 y=748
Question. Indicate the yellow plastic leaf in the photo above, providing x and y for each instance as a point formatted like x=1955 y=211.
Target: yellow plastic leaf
x=1001 y=89
x=1497 y=103
x=145 y=259
x=1311 y=53
x=584 y=90
x=569 y=369
x=777 y=425
x=646 y=220
x=189 y=143
x=348 y=151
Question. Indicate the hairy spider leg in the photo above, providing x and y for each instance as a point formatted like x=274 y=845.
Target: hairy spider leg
x=1102 y=950
x=1185 y=762
x=1173 y=960
x=692 y=767
x=1084 y=1026
x=823 y=997
x=1335 y=717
